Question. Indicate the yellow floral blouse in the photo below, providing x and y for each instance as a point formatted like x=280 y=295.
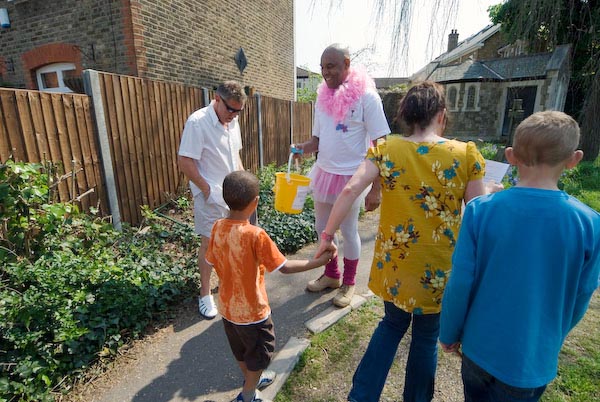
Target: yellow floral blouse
x=423 y=186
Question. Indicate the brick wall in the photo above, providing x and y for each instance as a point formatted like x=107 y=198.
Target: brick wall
x=194 y=42
x=488 y=51
x=491 y=46
x=187 y=41
x=93 y=29
x=478 y=124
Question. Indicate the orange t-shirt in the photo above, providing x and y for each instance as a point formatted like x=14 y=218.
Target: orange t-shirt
x=240 y=254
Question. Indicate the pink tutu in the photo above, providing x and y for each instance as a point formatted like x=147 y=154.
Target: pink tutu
x=326 y=186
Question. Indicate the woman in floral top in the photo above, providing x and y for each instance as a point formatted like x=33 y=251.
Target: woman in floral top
x=425 y=179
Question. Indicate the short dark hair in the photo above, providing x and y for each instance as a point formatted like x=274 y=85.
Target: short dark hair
x=422 y=102
x=231 y=90
x=240 y=188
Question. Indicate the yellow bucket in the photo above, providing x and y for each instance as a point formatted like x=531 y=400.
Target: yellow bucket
x=290 y=191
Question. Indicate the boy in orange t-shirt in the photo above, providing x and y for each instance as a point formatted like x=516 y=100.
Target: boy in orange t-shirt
x=240 y=253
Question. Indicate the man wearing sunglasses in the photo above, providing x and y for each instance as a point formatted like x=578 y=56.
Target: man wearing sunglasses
x=209 y=150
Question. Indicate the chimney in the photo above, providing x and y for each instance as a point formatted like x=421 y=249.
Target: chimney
x=452 y=40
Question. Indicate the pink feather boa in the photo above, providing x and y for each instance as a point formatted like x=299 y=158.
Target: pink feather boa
x=336 y=102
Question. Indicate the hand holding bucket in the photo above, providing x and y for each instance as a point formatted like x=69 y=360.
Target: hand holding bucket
x=290 y=189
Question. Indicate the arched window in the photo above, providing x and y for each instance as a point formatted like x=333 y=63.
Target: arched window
x=471 y=97
x=452 y=97
x=51 y=77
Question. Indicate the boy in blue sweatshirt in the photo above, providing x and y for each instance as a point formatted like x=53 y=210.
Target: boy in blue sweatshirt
x=524 y=269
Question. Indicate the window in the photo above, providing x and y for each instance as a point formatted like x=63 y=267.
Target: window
x=472 y=97
x=453 y=97
x=51 y=77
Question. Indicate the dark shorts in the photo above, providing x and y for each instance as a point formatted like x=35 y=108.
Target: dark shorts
x=252 y=344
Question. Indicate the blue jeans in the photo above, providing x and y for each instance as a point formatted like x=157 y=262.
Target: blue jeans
x=371 y=373
x=480 y=386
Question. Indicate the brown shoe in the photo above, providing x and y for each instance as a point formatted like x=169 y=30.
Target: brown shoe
x=323 y=282
x=344 y=296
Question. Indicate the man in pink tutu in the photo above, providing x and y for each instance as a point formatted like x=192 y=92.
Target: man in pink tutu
x=348 y=117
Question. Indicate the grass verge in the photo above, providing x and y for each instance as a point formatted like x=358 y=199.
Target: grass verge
x=324 y=372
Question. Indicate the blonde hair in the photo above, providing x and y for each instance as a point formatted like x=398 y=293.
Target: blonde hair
x=546 y=138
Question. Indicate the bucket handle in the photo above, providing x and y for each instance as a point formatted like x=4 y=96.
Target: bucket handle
x=294 y=151
x=287 y=175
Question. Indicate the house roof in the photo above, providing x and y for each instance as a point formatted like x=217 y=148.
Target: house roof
x=468 y=45
x=463 y=48
x=520 y=66
x=303 y=73
x=503 y=69
x=381 y=83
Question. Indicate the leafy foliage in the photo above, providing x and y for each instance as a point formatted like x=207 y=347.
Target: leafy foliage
x=309 y=92
x=26 y=214
x=289 y=232
x=583 y=182
x=544 y=24
x=72 y=289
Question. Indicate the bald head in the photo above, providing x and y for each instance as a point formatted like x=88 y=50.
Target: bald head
x=335 y=65
x=339 y=49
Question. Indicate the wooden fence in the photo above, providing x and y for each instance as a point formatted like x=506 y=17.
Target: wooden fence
x=40 y=126
x=124 y=137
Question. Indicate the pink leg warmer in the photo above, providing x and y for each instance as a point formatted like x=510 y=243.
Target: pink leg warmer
x=350 y=271
x=332 y=270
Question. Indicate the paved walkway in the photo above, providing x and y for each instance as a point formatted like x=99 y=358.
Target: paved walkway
x=191 y=360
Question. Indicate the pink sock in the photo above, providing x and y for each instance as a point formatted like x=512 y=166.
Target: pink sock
x=350 y=271
x=332 y=270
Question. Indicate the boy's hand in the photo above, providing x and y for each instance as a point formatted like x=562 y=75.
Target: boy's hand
x=326 y=246
x=493 y=187
x=325 y=257
x=452 y=348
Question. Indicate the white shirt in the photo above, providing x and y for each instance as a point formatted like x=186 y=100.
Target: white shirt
x=343 y=146
x=214 y=148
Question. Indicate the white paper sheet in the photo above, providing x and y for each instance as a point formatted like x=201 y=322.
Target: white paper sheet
x=495 y=171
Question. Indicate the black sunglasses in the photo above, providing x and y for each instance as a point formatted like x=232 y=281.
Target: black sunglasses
x=229 y=108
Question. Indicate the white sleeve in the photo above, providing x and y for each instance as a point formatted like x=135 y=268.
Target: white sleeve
x=192 y=141
x=238 y=139
x=316 y=129
x=374 y=117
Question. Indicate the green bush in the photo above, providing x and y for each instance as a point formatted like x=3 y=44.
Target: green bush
x=72 y=289
x=289 y=231
x=488 y=149
x=582 y=182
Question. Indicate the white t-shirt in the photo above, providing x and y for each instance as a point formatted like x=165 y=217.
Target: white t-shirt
x=343 y=145
x=214 y=148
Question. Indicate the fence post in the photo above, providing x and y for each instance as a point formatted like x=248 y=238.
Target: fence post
x=91 y=82
x=261 y=162
x=205 y=97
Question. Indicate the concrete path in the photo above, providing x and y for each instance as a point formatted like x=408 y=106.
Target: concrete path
x=191 y=360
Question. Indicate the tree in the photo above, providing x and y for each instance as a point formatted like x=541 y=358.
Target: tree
x=309 y=92
x=547 y=23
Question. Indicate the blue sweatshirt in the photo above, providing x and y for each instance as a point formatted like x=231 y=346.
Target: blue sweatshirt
x=524 y=269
